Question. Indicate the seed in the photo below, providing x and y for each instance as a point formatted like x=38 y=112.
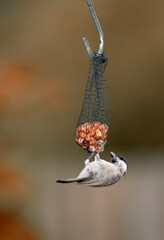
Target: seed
x=80 y=141
x=98 y=134
x=92 y=148
x=82 y=135
x=87 y=138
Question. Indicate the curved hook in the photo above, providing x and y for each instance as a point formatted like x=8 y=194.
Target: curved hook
x=99 y=29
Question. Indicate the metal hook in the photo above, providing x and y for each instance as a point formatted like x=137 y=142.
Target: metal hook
x=99 y=29
x=93 y=153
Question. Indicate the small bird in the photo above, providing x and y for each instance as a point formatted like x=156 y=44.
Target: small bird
x=100 y=173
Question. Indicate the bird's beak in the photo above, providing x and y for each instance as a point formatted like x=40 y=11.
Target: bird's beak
x=113 y=155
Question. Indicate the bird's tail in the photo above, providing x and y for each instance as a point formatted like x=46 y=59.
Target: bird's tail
x=71 y=180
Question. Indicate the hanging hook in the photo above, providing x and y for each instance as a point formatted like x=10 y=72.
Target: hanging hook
x=99 y=29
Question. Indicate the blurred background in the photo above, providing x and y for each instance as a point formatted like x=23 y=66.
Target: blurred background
x=43 y=73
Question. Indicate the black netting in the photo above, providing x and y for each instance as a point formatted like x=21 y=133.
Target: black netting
x=96 y=100
x=95 y=106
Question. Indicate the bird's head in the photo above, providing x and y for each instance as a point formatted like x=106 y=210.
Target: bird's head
x=120 y=162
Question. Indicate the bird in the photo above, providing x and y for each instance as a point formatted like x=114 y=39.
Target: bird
x=100 y=173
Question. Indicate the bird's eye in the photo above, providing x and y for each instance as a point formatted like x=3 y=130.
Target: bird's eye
x=113 y=161
x=121 y=158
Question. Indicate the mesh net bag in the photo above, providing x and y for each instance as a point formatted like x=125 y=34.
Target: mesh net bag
x=93 y=124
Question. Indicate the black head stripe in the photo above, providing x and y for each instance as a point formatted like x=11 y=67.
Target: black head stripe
x=121 y=158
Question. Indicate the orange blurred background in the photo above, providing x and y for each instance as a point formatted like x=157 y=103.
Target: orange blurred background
x=43 y=73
